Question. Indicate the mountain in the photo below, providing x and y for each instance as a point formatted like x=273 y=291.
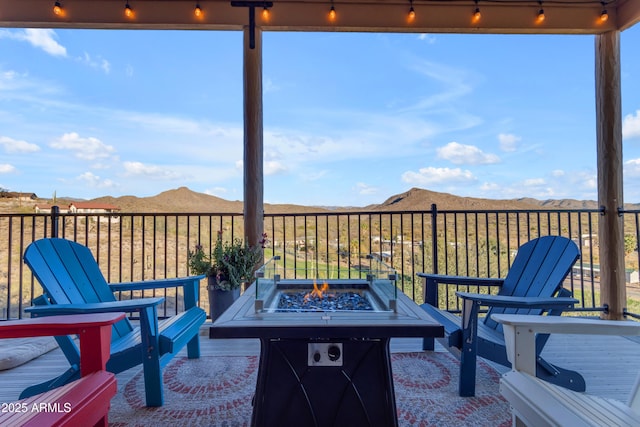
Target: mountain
x=420 y=199
x=185 y=200
x=416 y=199
x=572 y=204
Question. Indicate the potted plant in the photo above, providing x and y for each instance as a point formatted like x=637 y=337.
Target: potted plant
x=227 y=267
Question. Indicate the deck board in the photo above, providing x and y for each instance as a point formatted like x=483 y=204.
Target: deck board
x=609 y=364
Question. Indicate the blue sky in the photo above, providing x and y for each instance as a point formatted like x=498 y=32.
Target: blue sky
x=349 y=118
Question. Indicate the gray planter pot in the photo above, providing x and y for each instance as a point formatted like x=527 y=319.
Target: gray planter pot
x=219 y=300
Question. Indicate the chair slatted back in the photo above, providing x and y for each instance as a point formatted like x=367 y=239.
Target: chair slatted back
x=538 y=270
x=69 y=274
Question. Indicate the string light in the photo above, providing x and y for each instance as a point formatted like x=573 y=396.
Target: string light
x=332 y=13
x=604 y=16
x=540 y=17
x=128 y=12
x=412 y=13
x=476 y=14
x=57 y=9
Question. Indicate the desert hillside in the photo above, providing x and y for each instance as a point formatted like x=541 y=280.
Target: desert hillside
x=185 y=200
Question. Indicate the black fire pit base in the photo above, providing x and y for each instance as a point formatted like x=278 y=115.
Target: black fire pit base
x=296 y=388
x=324 y=369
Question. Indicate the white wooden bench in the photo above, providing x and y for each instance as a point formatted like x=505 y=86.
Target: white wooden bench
x=535 y=402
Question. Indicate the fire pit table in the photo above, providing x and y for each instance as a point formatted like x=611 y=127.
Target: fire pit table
x=324 y=357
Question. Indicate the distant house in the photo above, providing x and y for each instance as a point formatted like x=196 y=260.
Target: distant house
x=46 y=209
x=23 y=197
x=95 y=208
x=630 y=275
x=91 y=207
x=84 y=208
x=589 y=240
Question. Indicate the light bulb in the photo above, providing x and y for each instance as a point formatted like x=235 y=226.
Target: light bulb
x=332 y=13
x=604 y=16
x=540 y=17
x=128 y=11
x=57 y=8
x=266 y=14
x=412 y=14
x=477 y=15
x=197 y=11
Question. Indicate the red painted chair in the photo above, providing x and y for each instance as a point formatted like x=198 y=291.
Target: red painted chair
x=83 y=402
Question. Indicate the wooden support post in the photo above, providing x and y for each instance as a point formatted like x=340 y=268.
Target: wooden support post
x=609 y=143
x=253 y=143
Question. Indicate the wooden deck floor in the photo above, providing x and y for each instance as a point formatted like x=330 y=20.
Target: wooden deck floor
x=609 y=364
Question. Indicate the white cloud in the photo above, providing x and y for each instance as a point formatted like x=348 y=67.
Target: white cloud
x=558 y=173
x=432 y=175
x=631 y=125
x=314 y=175
x=41 y=38
x=149 y=171
x=11 y=145
x=84 y=148
x=95 y=181
x=274 y=167
x=534 y=182
x=461 y=154
x=584 y=180
x=217 y=191
x=455 y=83
x=632 y=168
x=429 y=38
x=98 y=62
x=508 y=141
x=269 y=86
x=8 y=79
x=588 y=181
x=489 y=186
x=6 y=168
x=364 y=189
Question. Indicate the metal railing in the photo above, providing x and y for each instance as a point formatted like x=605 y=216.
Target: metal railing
x=138 y=246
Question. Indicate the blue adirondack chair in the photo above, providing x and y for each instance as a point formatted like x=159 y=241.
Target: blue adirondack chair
x=533 y=285
x=73 y=284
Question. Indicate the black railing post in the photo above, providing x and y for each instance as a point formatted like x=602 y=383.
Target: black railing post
x=55 y=215
x=434 y=237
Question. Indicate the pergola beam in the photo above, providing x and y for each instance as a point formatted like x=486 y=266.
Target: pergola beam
x=514 y=17
x=628 y=13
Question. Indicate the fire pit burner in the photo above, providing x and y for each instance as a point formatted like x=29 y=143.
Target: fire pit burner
x=329 y=301
x=336 y=295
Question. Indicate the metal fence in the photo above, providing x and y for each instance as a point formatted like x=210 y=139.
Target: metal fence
x=138 y=246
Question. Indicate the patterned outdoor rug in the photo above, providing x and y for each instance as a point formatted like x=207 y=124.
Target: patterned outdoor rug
x=217 y=391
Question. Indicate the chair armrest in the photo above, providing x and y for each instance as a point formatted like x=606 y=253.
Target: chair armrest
x=518 y=302
x=461 y=280
x=431 y=282
x=98 y=307
x=58 y=325
x=189 y=285
x=94 y=331
x=155 y=284
x=520 y=333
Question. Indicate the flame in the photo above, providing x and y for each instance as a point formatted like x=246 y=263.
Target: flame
x=317 y=292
